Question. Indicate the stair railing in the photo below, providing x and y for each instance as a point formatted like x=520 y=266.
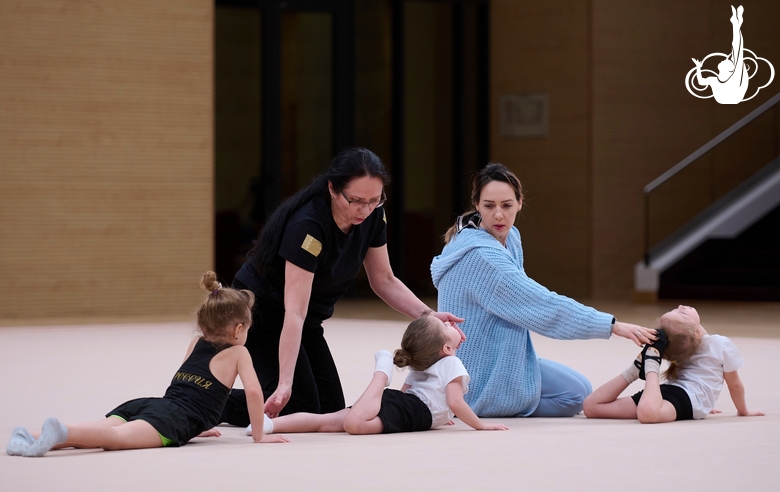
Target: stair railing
x=766 y=118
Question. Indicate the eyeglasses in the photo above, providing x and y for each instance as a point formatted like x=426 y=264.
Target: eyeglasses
x=358 y=204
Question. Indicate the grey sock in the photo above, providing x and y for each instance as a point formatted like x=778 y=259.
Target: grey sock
x=631 y=374
x=53 y=432
x=650 y=364
x=19 y=442
x=384 y=363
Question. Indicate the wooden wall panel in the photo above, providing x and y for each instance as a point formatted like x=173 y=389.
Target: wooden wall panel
x=645 y=121
x=619 y=117
x=106 y=157
x=544 y=47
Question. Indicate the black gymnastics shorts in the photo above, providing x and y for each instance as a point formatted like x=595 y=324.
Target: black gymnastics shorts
x=677 y=397
x=167 y=418
x=401 y=412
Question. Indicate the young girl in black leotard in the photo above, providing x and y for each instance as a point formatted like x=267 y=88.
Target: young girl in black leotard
x=192 y=403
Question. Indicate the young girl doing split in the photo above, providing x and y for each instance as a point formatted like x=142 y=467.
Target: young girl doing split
x=700 y=363
x=432 y=395
x=192 y=403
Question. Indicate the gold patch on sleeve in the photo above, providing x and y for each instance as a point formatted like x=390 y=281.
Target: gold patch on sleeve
x=312 y=245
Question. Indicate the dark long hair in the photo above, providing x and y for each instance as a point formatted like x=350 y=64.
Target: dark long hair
x=348 y=165
x=491 y=172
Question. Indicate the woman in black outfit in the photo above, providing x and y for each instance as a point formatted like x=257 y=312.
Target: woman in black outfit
x=305 y=258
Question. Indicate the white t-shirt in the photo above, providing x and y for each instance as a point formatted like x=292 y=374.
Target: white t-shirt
x=430 y=386
x=702 y=377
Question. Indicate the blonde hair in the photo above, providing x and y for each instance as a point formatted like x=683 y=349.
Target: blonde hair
x=492 y=172
x=421 y=344
x=222 y=309
x=682 y=344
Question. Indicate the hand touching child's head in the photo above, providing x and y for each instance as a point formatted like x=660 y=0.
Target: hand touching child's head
x=422 y=344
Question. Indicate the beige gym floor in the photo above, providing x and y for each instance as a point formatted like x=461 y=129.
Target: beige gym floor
x=78 y=372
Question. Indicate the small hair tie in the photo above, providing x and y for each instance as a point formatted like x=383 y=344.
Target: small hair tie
x=219 y=286
x=468 y=221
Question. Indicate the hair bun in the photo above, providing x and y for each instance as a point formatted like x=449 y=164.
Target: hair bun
x=401 y=358
x=209 y=282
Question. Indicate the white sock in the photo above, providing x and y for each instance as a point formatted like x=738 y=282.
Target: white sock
x=19 y=442
x=53 y=432
x=268 y=426
x=384 y=363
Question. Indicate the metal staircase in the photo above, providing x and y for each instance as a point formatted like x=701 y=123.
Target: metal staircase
x=712 y=222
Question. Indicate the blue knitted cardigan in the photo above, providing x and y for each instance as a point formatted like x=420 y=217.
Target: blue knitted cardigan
x=480 y=280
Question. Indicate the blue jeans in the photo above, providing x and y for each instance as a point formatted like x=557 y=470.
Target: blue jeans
x=563 y=390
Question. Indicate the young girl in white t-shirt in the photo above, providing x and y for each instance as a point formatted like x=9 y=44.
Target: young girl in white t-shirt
x=699 y=364
x=431 y=396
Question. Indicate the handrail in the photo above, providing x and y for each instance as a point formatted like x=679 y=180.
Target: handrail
x=729 y=198
x=712 y=143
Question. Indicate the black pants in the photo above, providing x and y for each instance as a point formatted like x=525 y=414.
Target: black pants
x=316 y=383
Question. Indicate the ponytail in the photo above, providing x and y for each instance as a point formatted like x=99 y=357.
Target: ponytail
x=469 y=220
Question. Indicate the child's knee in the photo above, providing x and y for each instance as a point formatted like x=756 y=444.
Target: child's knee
x=352 y=425
x=589 y=406
x=644 y=418
x=647 y=414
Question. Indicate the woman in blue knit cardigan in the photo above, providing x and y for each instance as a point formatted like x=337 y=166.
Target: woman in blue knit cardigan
x=480 y=277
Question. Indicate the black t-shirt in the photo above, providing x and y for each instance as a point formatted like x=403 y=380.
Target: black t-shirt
x=313 y=241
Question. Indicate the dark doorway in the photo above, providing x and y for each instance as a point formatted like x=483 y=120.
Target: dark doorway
x=297 y=81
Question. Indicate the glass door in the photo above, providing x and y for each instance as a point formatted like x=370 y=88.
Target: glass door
x=297 y=81
x=238 y=85
x=306 y=97
x=283 y=107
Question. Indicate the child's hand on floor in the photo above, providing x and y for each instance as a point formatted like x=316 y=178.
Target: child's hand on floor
x=272 y=438
x=715 y=411
x=494 y=427
x=210 y=433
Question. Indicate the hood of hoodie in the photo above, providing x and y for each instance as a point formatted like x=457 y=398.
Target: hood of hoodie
x=463 y=243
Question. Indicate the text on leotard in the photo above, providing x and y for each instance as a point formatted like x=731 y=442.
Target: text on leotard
x=193 y=378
